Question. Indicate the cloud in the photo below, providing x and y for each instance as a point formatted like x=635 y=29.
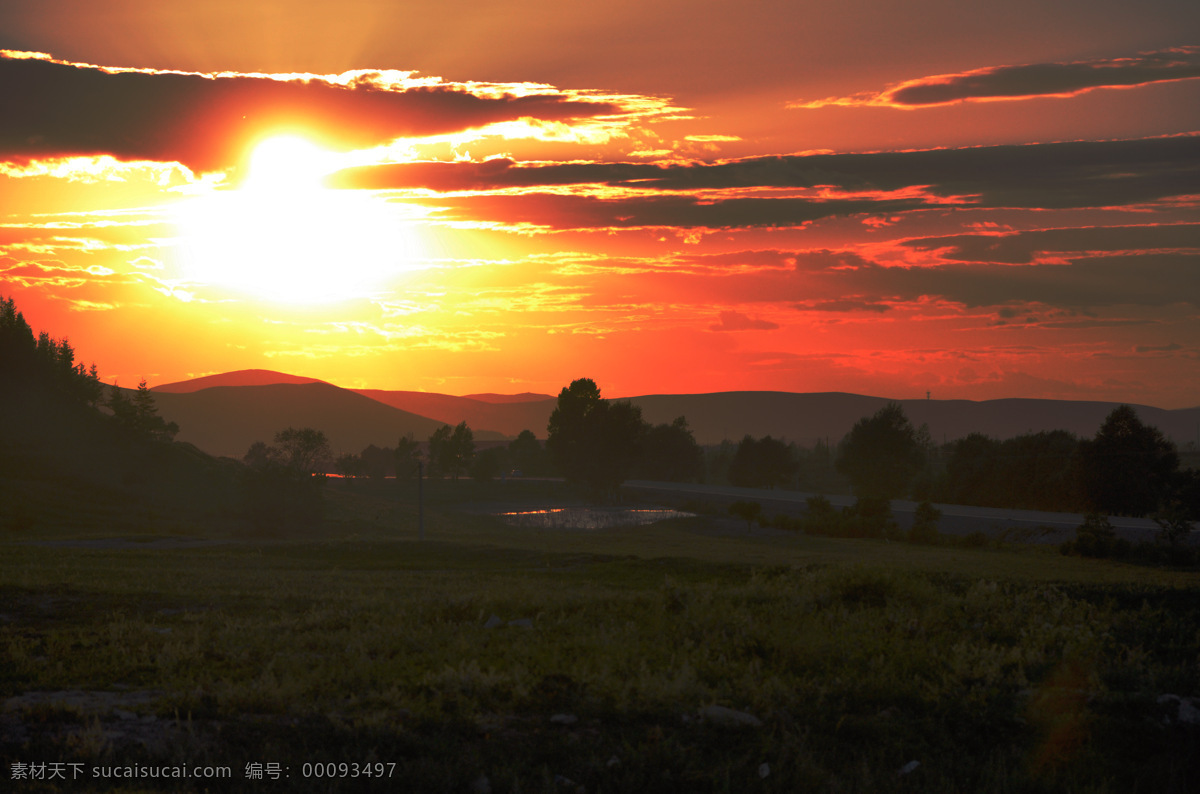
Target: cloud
x=843 y=305
x=1028 y=80
x=58 y=109
x=1086 y=282
x=557 y=211
x=847 y=281
x=1048 y=176
x=736 y=321
x=1026 y=247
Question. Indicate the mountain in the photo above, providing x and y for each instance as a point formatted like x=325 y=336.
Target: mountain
x=807 y=418
x=226 y=420
x=501 y=399
x=507 y=416
x=802 y=418
x=241 y=377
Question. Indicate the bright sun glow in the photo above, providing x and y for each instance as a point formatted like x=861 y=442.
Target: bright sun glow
x=283 y=236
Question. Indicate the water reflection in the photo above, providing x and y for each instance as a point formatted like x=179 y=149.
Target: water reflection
x=589 y=517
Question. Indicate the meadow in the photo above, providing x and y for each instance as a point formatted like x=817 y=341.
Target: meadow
x=689 y=655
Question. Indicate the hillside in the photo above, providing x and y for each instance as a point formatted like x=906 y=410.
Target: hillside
x=241 y=377
x=226 y=420
x=803 y=418
x=508 y=417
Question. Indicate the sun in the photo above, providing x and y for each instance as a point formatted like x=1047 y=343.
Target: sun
x=283 y=236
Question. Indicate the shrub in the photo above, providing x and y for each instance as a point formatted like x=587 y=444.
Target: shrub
x=924 y=528
x=1095 y=538
x=871 y=517
x=747 y=511
x=821 y=518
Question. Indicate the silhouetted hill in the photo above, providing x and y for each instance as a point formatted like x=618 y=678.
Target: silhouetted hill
x=67 y=465
x=508 y=417
x=241 y=377
x=502 y=399
x=226 y=420
x=805 y=418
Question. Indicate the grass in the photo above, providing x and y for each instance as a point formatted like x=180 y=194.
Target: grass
x=994 y=669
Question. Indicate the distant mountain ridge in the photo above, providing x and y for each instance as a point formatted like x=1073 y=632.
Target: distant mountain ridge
x=222 y=417
x=226 y=420
x=241 y=377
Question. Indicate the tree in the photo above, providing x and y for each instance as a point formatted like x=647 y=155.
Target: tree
x=278 y=488
x=147 y=418
x=881 y=454
x=747 y=511
x=259 y=456
x=670 y=453
x=1129 y=467
x=349 y=465
x=762 y=463
x=139 y=414
x=406 y=456
x=488 y=464
x=593 y=441
x=376 y=461
x=451 y=450
x=303 y=450
x=924 y=527
x=527 y=455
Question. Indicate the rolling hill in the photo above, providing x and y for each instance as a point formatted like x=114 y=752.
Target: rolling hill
x=509 y=418
x=241 y=377
x=233 y=416
x=807 y=418
x=226 y=420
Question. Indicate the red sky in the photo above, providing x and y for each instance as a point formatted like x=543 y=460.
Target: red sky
x=667 y=197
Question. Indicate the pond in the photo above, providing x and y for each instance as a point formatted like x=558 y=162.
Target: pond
x=589 y=517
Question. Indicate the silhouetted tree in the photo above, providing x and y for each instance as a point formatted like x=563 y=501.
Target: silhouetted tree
x=881 y=454
x=259 y=456
x=670 y=453
x=762 y=463
x=593 y=441
x=924 y=527
x=747 y=511
x=489 y=463
x=41 y=362
x=406 y=456
x=451 y=450
x=376 y=461
x=350 y=465
x=527 y=455
x=303 y=450
x=140 y=415
x=278 y=487
x=1129 y=467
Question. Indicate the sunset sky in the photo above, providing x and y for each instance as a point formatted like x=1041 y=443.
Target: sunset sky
x=975 y=200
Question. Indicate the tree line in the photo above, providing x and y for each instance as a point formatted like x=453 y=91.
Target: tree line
x=46 y=366
x=1128 y=468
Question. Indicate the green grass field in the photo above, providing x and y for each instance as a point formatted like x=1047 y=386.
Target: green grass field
x=836 y=663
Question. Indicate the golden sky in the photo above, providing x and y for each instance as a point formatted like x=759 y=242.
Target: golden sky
x=670 y=197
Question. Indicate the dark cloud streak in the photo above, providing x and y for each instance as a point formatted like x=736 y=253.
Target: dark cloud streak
x=1026 y=81
x=588 y=212
x=53 y=109
x=1050 y=176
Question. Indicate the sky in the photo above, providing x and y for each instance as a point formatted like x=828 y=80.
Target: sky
x=962 y=200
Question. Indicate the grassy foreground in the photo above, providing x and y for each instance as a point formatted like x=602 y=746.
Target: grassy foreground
x=685 y=656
